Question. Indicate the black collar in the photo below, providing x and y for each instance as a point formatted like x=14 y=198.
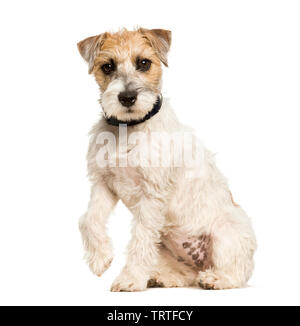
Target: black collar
x=156 y=107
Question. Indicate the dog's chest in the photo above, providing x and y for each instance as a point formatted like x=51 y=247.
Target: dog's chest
x=134 y=175
x=126 y=183
x=133 y=183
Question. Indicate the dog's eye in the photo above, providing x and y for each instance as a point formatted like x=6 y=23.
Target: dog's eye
x=108 y=68
x=143 y=65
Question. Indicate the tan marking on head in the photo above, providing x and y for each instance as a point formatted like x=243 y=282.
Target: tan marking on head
x=160 y=40
x=90 y=47
x=124 y=47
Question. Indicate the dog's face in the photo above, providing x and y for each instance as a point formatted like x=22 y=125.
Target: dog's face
x=127 y=67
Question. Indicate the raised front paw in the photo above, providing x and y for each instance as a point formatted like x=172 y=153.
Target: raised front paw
x=128 y=282
x=98 y=250
x=98 y=262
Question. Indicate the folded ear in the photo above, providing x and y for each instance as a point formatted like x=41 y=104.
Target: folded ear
x=160 y=40
x=89 y=48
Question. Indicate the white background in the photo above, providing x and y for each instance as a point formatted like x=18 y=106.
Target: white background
x=234 y=75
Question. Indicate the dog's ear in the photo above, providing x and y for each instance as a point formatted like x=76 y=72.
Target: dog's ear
x=89 y=48
x=160 y=40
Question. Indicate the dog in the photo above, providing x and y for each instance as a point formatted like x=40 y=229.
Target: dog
x=187 y=230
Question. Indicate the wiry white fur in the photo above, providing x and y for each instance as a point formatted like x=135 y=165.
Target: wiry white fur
x=163 y=200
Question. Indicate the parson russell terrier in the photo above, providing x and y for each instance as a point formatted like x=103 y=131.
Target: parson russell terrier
x=187 y=230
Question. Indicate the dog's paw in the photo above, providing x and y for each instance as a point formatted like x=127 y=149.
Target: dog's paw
x=210 y=280
x=129 y=282
x=98 y=263
x=167 y=281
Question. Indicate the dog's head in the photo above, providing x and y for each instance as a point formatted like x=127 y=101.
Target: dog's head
x=127 y=67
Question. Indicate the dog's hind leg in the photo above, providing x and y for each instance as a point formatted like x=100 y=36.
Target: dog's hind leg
x=171 y=272
x=233 y=246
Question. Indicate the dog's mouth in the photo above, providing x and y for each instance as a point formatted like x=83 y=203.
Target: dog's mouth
x=130 y=110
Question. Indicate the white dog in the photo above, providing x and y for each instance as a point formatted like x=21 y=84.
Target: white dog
x=187 y=230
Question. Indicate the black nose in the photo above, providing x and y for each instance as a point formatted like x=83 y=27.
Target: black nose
x=127 y=98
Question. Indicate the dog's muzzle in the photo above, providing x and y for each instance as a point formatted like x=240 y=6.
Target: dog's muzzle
x=156 y=107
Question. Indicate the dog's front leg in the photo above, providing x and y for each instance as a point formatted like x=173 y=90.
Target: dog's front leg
x=142 y=251
x=98 y=248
